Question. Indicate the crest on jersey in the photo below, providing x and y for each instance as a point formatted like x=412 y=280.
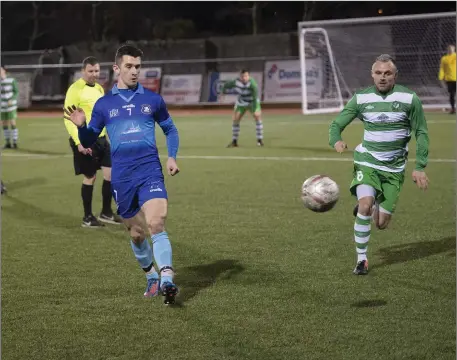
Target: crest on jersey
x=395 y=105
x=146 y=109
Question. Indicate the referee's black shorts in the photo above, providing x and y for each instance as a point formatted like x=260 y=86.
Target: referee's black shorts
x=89 y=164
x=451 y=87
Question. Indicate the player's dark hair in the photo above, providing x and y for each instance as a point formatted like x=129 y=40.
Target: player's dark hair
x=244 y=71
x=128 y=50
x=90 y=60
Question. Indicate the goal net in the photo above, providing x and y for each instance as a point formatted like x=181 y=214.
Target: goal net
x=336 y=57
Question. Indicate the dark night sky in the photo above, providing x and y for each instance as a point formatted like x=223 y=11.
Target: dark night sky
x=140 y=20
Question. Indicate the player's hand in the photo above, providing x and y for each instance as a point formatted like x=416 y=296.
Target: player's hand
x=84 y=151
x=75 y=115
x=340 y=146
x=172 y=167
x=10 y=102
x=421 y=179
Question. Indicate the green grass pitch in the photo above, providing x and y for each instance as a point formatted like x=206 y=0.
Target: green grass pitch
x=261 y=277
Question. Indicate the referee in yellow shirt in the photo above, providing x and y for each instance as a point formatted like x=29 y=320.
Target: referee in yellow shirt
x=447 y=74
x=84 y=93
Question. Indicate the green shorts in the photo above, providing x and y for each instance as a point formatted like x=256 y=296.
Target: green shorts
x=252 y=108
x=10 y=115
x=387 y=185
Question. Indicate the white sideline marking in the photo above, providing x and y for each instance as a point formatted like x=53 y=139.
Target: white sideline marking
x=222 y=157
x=356 y=122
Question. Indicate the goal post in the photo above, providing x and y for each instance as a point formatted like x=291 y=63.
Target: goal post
x=321 y=92
x=347 y=48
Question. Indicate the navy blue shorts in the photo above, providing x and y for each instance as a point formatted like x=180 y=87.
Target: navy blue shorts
x=131 y=195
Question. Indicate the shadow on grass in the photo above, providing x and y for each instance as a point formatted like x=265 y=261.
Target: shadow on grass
x=22 y=150
x=369 y=303
x=19 y=184
x=413 y=251
x=193 y=279
x=314 y=149
x=31 y=212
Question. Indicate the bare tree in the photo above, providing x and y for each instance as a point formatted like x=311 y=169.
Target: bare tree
x=36 y=24
x=37 y=18
x=253 y=10
x=93 y=28
x=308 y=10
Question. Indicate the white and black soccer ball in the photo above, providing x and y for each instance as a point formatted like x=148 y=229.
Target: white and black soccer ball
x=319 y=193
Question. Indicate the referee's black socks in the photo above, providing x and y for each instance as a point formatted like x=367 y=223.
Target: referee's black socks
x=86 y=194
x=106 y=195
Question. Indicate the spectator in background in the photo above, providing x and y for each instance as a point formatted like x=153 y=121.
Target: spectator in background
x=447 y=74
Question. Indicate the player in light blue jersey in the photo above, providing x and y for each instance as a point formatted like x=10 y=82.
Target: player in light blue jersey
x=129 y=113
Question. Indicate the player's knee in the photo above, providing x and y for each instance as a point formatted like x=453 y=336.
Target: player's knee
x=383 y=223
x=137 y=234
x=365 y=206
x=89 y=180
x=384 y=218
x=237 y=117
x=156 y=224
x=107 y=173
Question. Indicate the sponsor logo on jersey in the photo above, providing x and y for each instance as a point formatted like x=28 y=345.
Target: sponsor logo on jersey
x=113 y=113
x=383 y=118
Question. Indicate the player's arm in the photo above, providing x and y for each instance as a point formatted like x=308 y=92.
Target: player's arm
x=88 y=134
x=228 y=85
x=15 y=90
x=441 y=73
x=255 y=92
x=345 y=117
x=72 y=98
x=420 y=130
x=163 y=118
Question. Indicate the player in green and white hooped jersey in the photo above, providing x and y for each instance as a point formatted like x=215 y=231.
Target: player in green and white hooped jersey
x=390 y=114
x=248 y=99
x=9 y=92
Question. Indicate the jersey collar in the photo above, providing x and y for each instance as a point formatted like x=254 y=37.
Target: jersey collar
x=384 y=95
x=139 y=90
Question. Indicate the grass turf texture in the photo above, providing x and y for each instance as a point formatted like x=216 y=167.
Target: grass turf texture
x=260 y=276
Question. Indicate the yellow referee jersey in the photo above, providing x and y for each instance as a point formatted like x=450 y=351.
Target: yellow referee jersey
x=447 y=67
x=84 y=96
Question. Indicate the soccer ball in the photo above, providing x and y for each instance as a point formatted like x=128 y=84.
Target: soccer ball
x=319 y=193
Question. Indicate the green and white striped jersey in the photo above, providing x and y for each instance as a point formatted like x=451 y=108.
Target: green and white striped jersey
x=9 y=94
x=389 y=120
x=247 y=93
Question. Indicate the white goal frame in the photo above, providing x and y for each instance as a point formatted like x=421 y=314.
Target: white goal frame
x=432 y=102
x=305 y=109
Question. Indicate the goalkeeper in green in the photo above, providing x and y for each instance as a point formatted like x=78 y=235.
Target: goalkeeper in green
x=248 y=99
x=390 y=113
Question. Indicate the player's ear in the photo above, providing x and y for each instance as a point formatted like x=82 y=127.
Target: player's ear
x=116 y=68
